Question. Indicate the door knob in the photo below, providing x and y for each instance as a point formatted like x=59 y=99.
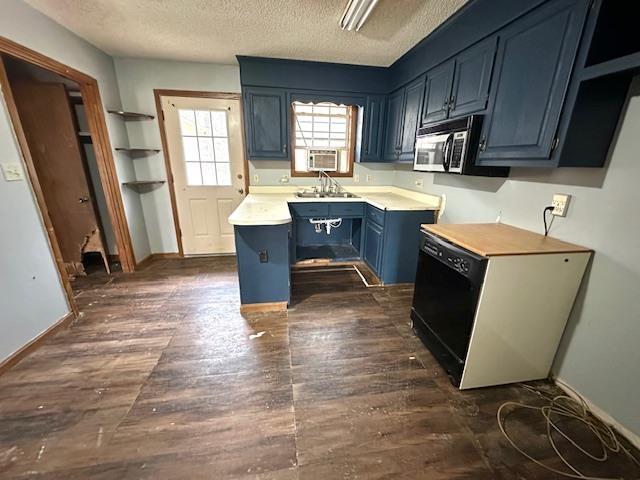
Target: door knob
x=83 y=199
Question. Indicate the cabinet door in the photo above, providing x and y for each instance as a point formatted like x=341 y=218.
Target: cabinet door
x=373 y=129
x=265 y=112
x=471 y=79
x=534 y=60
x=437 y=92
x=372 y=245
x=393 y=126
x=411 y=116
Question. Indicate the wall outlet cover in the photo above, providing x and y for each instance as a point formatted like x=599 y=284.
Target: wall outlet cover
x=256 y=178
x=356 y=178
x=369 y=178
x=284 y=179
x=12 y=172
x=560 y=204
x=419 y=182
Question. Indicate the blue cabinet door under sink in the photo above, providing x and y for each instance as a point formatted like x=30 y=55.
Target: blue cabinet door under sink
x=265 y=118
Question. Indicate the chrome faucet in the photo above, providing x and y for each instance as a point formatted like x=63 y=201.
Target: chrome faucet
x=328 y=184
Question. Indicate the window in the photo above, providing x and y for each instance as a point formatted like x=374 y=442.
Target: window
x=205 y=143
x=323 y=126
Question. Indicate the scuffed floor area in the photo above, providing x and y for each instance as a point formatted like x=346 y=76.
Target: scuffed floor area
x=161 y=377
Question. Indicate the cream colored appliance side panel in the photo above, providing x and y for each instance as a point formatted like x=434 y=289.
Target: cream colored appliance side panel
x=523 y=309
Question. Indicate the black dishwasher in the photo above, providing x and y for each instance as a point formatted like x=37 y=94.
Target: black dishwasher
x=448 y=284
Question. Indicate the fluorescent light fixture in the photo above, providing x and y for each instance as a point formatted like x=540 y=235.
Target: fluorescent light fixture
x=356 y=14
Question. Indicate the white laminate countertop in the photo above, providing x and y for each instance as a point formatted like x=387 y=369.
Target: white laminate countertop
x=270 y=205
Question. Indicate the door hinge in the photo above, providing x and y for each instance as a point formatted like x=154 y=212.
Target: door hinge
x=555 y=143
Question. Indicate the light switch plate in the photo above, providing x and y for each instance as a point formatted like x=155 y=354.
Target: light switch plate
x=256 y=178
x=560 y=204
x=12 y=172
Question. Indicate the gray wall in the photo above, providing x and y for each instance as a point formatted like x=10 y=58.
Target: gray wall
x=137 y=78
x=31 y=296
x=271 y=172
x=599 y=354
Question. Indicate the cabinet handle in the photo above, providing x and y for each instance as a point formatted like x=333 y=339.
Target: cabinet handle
x=483 y=144
x=452 y=102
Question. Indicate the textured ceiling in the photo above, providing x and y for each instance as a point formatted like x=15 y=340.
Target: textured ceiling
x=217 y=30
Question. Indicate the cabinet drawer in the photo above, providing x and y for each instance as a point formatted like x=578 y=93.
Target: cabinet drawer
x=312 y=209
x=347 y=209
x=375 y=215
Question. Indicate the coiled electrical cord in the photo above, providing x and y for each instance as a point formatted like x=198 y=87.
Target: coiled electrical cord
x=568 y=407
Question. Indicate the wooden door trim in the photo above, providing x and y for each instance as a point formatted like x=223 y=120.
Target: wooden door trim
x=158 y=94
x=101 y=143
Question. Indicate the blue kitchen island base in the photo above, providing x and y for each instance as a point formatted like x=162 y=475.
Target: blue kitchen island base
x=263 y=266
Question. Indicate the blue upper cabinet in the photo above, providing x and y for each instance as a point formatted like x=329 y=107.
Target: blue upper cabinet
x=471 y=79
x=459 y=86
x=373 y=129
x=265 y=119
x=438 y=93
x=533 y=65
x=393 y=126
x=413 y=95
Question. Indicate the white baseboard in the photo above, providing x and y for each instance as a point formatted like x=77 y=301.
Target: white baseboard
x=633 y=438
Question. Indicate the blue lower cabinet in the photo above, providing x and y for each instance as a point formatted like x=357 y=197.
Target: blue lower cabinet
x=263 y=263
x=391 y=241
x=372 y=245
x=401 y=245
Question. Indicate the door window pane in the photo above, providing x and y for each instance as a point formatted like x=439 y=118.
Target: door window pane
x=203 y=121
x=223 y=172
x=194 y=177
x=187 y=122
x=208 y=174
x=206 y=149
x=205 y=143
x=190 y=146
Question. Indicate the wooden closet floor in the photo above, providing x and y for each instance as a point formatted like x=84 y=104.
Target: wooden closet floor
x=161 y=377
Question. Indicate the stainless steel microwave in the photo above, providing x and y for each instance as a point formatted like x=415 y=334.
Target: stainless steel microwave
x=451 y=147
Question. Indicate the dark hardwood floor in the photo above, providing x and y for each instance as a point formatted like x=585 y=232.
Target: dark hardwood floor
x=161 y=377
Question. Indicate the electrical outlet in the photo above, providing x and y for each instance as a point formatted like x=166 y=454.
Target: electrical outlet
x=560 y=204
x=256 y=178
x=356 y=178
x=12 y=172
x=419 y=182
x=369 y=178
x=284 y=179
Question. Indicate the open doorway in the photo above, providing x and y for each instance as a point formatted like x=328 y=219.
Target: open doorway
x=111 y=232
x=53 y=117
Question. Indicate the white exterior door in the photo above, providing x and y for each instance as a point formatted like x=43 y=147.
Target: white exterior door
x=204 y=137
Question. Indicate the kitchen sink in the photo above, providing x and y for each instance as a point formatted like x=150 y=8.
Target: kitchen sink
x=325 y=195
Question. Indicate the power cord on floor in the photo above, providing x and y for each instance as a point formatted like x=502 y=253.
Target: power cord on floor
x=544 y=219
x=564 y=406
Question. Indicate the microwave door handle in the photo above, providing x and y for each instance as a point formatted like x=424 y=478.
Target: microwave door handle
x=446 y=160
